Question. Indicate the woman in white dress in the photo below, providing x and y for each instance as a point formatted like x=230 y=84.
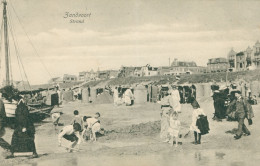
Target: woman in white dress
x=165 y=108
x=175 y=99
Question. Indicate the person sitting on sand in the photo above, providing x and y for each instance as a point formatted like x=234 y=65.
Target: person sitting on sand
x=93 y=125
x=174 y=128
x=70 y=133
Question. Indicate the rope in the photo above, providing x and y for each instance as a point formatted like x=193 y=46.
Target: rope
x=17 y=51
x=30 y=40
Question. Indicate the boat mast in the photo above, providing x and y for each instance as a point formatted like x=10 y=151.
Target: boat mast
x=6 y=44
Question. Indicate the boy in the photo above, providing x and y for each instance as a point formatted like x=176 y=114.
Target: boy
x=70 y=133
x=92 y=124
x=55 y=119
x=77 y=119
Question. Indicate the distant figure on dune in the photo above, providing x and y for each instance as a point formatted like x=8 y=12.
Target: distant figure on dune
x=128 y=97
x=115 y=96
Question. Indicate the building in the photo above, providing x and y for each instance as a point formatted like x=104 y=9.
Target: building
x=87 y=75
x=241 y=63
x=232 y=59
x=164 y=70
x=107 y=74
x=245 y=60
x=69 y=78
x=182 y=67
x=177 y=63
x=55 y=80
x=149 y=70
x=138 y=72
x=217 y=65
x=126 y=71
x=256 y=55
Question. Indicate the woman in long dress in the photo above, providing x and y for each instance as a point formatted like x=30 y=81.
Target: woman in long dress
x=23 y=136
x=165 y=107
x=128 y=97
x=175 y=99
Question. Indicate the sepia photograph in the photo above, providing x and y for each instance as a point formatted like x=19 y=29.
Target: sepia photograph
x=129 y=82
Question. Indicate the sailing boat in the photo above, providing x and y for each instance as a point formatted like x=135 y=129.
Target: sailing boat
x=38 y=111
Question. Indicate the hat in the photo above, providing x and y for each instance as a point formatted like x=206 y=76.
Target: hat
x=195 y=104
x=236 y=91
x=174 y=86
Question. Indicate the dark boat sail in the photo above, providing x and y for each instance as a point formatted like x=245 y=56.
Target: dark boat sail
x=38 y=110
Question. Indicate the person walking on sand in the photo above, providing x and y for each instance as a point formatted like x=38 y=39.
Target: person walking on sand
x=197 y=111
x=24 y=131
x=165 y=109
x=174 y=128
x=242 y=109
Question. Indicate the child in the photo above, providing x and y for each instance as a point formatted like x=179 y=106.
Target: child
x=174 y=128
x=77 y=119
x=55 y=119
x=70 y=133
x=93 y=125
x=197 y=111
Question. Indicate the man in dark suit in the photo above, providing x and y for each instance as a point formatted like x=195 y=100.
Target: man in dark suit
x=242 y=110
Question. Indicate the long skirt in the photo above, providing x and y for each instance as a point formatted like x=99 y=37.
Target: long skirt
x=164 y=127
x=22 y=142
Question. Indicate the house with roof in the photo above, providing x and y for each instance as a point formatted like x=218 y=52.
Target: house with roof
x=138 y=72
x=87 y=75
x=164 y=70
x=217 y=65
x=69 y=78
x=244 y=60
x=186 y=67
x=148 y=70
x=126 y=71
x=107 y=74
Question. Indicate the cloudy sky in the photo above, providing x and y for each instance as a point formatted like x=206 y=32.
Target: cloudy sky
x=128 y=32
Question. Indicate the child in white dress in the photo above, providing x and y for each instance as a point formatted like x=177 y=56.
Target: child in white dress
x=174 y=128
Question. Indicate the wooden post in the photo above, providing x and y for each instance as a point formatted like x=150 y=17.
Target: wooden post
x=6 y=44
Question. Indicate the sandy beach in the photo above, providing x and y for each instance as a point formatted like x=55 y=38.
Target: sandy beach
x=132 y=137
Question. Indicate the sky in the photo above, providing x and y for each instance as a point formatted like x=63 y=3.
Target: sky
x=126 y=32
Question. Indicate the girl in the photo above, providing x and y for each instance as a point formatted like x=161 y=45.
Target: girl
x=174 y=128
x=197 y=111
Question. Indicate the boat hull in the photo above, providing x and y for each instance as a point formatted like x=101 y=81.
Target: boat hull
x=37 y=114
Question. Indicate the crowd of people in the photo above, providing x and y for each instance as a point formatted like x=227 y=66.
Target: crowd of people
x=79 y=130
x=239 y=109
x=170 y=125
x=83 y=128
x=123 y=96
